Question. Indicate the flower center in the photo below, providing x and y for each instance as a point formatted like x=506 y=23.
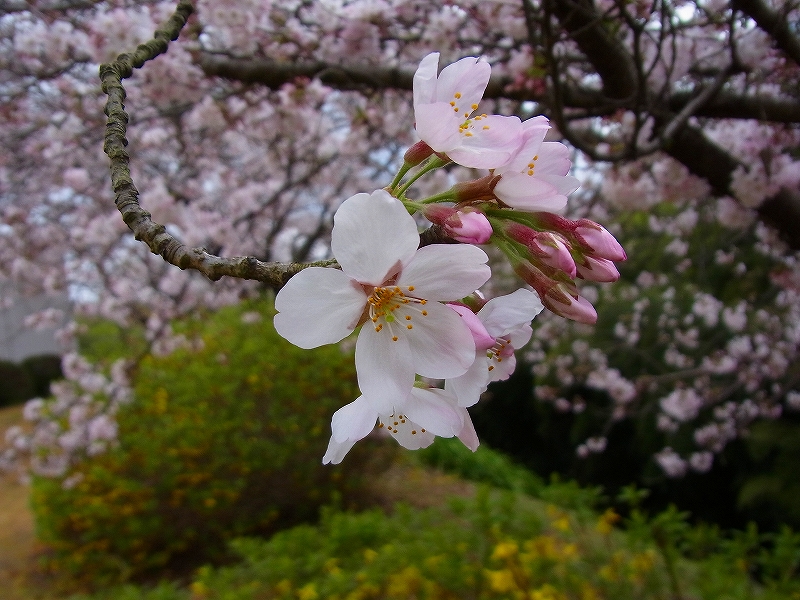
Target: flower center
x=502 y=349
x=393 y=307
x=468 y=126
x=396 y=423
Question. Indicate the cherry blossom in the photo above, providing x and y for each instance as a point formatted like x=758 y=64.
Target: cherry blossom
x=395 y=290
x=500 y=327
x=535 y=178
x=426 y=413
x=444 y=107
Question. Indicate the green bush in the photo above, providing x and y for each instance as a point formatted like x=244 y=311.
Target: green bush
x=497 y=546
x=17 y=385
x=221 y=441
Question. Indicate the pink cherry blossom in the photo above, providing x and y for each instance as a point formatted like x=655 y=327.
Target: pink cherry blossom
x=392 y=287
x=500 y=326
x=427 y=412
x=444 y=107
x=535 y=179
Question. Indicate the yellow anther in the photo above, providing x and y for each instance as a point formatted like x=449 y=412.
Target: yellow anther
x=408 y=317
x=536 y=157
x=491 y=367
x=457 y=95
x=486 y=127
x=411 y=288
x=424 y=313
x=474 y=106
x=394 y=338
x=413 y=432
x=409 y=327
x=530 y=172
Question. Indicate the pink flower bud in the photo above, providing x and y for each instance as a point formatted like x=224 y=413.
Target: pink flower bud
x=599 y=240
x=579 y=309
x=598 y=269
x=557 y=254
x=469 y=227
x=417 y=153
x=483 y=340
x=474 y=228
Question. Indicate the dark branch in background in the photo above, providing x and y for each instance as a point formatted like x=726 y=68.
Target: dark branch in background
x=126 y=196
x=273 y=74
x=773 y=23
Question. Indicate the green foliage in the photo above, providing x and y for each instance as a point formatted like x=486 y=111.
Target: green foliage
x=17 y=384
x=497 y=545
x=219 y=441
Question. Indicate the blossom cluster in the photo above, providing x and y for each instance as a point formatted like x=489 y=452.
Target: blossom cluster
x=418 y=308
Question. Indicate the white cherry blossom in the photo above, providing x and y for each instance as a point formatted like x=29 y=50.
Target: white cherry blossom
x=499 y=328
x=395 y=290
x=444 y=107
x=427 y=412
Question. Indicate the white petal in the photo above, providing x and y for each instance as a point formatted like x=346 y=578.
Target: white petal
x=434 y=410
x=529 y=193
x=503 y=368
x=318 y=306
x=336 y=451
x=411 y=436
x=354 y=421
x=504 y=314
x=385 y=368
x=468 y=78
x=468 y=387
x=373 y=234
x=520 y=336
x=445 y=271
x=441 y=344
x=437 y=125
x=468 y=435
x=425 y=79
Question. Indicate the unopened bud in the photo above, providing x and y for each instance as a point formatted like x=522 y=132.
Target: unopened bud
x=417 y=153
x=599 y=241
x=598 y=269
x=578 y=309
x=483 y=340
x=476 y=190
x=469 y=227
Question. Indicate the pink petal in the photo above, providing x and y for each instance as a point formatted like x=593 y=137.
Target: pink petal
x=503 y=368
x=318 y=306
x=468 y=435
x=483 y=340
x=445 y=271
x=533 y=132
x=441 y=344
x=385 y=368
x=372 y=235
x=494 y=141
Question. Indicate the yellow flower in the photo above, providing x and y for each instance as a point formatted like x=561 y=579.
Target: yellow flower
x=501 y=581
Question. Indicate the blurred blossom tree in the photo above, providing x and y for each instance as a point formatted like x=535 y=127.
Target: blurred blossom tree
x=246 y=135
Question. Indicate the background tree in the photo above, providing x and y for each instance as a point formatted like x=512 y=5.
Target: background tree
x=263 y=116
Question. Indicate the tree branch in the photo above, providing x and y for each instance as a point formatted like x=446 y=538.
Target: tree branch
x=773 y=23
x=126 y=196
